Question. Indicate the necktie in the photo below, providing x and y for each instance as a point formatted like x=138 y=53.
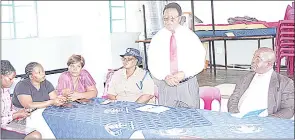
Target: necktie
x=173 y=55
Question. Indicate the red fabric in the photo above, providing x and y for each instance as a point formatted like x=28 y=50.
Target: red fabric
x=173 y=55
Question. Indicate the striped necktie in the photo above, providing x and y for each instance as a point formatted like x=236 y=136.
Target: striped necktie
x=173 y=55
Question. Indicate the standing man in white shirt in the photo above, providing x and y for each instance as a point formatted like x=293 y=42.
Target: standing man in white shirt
x=175 y=56
x=263 y=89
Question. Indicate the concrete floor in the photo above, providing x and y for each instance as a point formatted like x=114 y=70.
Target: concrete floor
x=229 y=76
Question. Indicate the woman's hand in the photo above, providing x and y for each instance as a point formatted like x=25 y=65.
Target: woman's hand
x=66 y=92
x=21 y=114
x=74 y=96
x=59 y=100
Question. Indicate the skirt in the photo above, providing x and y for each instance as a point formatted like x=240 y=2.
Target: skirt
x=185 y=94
x=9 y=134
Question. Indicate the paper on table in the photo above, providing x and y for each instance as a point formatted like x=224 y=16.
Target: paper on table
x=230 y=34
x=151 y=108
x=257 y=113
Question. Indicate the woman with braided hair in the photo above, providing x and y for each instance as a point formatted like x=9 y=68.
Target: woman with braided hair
x=35 y=91
x=8 y=114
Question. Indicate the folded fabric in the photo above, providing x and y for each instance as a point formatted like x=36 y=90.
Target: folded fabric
x=256 y=113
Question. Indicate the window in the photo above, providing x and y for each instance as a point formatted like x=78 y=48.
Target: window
x=19 y=19
x=117 y=16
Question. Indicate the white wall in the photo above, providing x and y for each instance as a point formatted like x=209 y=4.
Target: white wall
x=134 y=22
x=120 y=42
x=51 y=52
x=88 y=20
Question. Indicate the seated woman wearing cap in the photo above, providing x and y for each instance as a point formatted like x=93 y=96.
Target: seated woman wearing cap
x=76 y=83
x=131 y=83
x=35 y=91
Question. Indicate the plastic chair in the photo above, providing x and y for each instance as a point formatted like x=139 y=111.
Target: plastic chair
x=209 y=95
x=285 y=45
x=108 y=80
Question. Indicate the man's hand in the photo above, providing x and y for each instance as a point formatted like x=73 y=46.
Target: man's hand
x=171 y=80
x=179 y=76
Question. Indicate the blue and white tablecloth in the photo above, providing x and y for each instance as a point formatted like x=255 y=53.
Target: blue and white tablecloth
x=115 y=120
x=226 y=126
x=121 y=120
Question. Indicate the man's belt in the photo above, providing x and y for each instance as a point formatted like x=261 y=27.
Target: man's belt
x=186 y=79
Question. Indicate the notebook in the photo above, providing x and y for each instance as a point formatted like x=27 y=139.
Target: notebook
x=18 y=126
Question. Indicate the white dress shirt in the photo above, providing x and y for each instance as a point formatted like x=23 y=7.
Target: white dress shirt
x=256 y=96
x=190 y=53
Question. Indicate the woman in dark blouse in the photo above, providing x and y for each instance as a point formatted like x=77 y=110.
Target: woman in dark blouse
x=35 y=91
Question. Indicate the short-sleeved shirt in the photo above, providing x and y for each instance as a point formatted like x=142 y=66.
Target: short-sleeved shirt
x=65 y=82
x=130 y=89
x=25 y=87
x=6 y=108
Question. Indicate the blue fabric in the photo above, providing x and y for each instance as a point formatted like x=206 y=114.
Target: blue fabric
x=140 y=86
x=255 y=113
x=225 y=126
x=133 y=52
x=238 y=32
x=100 y=121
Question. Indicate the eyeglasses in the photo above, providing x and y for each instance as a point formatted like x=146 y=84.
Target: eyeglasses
x=173 y=19
x=127 y=59
x=10 y=79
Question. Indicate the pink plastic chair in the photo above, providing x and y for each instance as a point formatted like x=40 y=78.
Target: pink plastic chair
x=209 y=94
x=285 y=45
x=108 y=80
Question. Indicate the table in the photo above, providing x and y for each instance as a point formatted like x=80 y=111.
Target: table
x=227 y=127
x=121 y=120
x=115 y=120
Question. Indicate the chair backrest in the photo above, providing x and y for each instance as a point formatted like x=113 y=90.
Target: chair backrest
x=209 y=95
x=289 y=11
x=108 y=80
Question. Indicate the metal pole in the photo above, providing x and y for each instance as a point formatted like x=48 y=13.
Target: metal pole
x=193 y=15
x=144 y=22
x=213 y=27
x=145 y=38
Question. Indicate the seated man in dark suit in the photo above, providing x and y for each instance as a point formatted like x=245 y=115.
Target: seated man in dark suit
x=263 y=89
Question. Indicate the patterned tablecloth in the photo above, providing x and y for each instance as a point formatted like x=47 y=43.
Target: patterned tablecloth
x=121 y=120
x=115 y=120
x=226 y=126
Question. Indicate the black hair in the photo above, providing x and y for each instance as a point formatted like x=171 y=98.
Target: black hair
x=6 y=67
x=174 y=6
x=29 y=68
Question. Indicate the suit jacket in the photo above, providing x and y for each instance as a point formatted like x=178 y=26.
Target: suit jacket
x=280 y=95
